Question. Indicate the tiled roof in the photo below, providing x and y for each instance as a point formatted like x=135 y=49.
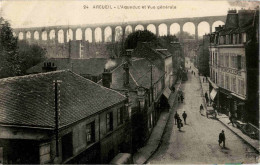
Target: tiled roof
x=140 y=75
x=91 y=66
x=29 y=100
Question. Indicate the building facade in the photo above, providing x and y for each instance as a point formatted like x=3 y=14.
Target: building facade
x=233 y=65
x=145 y=85
x=160 y=57
x=61 y=117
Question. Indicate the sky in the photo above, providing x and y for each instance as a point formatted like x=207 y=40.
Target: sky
x=28 y=13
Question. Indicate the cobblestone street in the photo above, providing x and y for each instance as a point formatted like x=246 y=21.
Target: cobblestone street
x=198 y=140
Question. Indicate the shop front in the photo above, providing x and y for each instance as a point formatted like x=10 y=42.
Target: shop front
x=238 y=105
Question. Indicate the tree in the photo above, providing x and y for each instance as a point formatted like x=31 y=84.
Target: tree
x=9 y=63
x=16 y=57
x=30 y=55
x=139 y=36
x=185 y=35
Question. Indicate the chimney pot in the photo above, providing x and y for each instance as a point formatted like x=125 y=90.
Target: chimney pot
x=106 y=78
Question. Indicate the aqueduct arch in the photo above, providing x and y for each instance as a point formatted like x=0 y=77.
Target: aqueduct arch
x=88 y=31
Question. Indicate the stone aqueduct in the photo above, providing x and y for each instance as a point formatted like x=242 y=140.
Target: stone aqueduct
x=29 y=33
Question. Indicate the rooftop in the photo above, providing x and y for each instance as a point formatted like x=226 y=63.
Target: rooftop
x=140 y=75
x=29 y=100
x=91 y=66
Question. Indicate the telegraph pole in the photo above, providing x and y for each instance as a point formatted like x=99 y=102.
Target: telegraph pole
x=151 y=66
x=56 y=83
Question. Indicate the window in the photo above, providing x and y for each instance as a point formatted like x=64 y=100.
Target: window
x=243 y=64
x=221 y=60
x=234 y=38
x=227 y=39
x=216 y=79
x=240 y=38
x=235 y=61
x=239 y=62
x=243 y=37
x=227 y=61
x=227 y=82
x=241 y=86
x=90 y=132
x=234 y=86
x=120 y=115
x=222 y=80
x=216 y=55
x=109 y=121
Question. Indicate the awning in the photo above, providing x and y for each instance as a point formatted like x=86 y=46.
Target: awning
x=167 y=92
x=213 y=84
x=213 y=94
x=240 y=97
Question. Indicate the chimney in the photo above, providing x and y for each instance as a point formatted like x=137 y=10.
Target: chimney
x=218 y=28
x=126 y=75
x=48 y=67
x=128 y=55
x=106 y=78
x=232 y=19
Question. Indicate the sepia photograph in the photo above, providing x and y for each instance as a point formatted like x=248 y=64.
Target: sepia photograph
x=129 y=82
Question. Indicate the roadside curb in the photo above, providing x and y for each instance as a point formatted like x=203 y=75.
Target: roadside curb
x=164 y=129
x=255 y=148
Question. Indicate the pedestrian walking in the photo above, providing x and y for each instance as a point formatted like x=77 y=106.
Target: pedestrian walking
x=184 y=115
x=201 y=109
x=176 y=116
x=231 y=118
x=179 y=99
x=222 y=138
x=179 y=123
x=206 y=97
x=182 y=98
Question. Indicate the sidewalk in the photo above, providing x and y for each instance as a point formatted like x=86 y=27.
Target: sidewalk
x=143 y=154
x=225 y=120
x=252 y=142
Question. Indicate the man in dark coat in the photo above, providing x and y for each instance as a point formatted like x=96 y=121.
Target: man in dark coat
x=206 y=97
x=176 y=116
x=179 y=123
x=222 y=138
x=184 y=115
x=182 y=98
x=201 y=108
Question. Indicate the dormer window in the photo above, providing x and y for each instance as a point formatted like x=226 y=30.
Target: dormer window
x=243 y=37
x=240 y=38
x=227 y=39
x=234 y=39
